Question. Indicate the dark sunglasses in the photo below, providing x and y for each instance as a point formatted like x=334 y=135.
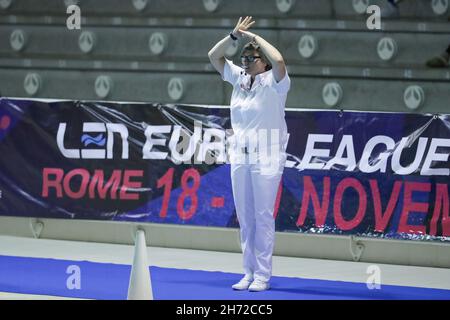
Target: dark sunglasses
x=249 y=58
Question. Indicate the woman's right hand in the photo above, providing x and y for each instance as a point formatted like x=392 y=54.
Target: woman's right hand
x=243 y=25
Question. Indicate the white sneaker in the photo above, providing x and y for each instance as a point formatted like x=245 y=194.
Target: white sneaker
x=259 y=285
x=242 y=285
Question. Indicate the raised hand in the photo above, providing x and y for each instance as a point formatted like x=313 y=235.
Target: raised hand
x=242 y=25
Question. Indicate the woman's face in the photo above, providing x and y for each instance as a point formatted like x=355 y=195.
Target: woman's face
x=253 y=63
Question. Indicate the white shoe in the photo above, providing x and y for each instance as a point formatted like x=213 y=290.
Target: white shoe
x=242 y=285
x=259 y=285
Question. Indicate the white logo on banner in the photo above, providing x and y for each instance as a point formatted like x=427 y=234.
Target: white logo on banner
x=74 y=280
x=285 y=5
x=157 y=43
x=374 y=279
x=17 y=40
x=103 y=86
x=307 y=46
x=211 y=5
x=386 y=48
x=73 y=22
x=98 y=139
x=140 y=5
x=175 y=88
x=414 y=97
x=332 y=94
x=86 y=41
x=32 y=84
x=439 y=7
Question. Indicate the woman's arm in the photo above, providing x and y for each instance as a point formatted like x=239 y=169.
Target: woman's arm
x=217 y=53
x=274 y=56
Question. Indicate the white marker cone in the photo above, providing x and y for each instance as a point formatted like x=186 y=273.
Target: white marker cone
x=140 y=286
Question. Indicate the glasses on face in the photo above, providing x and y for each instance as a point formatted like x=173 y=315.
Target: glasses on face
x=249 y=59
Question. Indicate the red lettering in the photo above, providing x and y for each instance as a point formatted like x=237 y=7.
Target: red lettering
x=441 y=206
x=188 y=192
x=127 y=184
x=382 y=219
x=217 y=202
x=65 y=185
x=320 y=209
x=83 y=186
x=277 y=201
x=341 y=223
x=102 y=189
x=165 y=181
x=48 y=183
x=410 y=206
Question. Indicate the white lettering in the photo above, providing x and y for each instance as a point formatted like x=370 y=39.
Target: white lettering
x=149 y=143
x=74 y=280
x=369 y=165
x=123 y=131
x=193 y=310
x=397 y=167
x=311 y=152
x=346 y=145
x=374 y=280
x=374 y=20
x=193 y=141
x=433 y=156
x=68 y=153
x=74 y=20
x=209 y=146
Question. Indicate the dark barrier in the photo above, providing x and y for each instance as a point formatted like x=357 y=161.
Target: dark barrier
x=369 y=174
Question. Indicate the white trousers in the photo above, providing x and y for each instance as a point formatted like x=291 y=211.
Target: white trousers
x=255 y=190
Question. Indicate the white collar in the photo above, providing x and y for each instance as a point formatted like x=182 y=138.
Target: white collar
x=261 y=76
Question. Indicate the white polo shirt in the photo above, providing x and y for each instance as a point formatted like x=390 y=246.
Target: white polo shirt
x=259 y=107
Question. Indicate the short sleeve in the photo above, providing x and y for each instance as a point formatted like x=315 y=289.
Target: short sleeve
x=231 y=72
x=283 y=86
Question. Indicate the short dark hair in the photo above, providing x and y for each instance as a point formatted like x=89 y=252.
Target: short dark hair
x=252 y=46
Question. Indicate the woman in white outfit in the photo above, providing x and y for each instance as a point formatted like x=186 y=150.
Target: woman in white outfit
x=257 y=157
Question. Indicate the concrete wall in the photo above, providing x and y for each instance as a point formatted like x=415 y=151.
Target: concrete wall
x=34 y=42
x=403 y=252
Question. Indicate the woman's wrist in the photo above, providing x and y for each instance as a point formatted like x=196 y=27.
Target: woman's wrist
x=250 y=36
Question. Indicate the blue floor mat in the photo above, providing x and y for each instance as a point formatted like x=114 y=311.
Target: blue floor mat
x=110 y=281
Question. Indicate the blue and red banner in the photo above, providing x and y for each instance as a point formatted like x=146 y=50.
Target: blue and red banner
x=363 y=173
